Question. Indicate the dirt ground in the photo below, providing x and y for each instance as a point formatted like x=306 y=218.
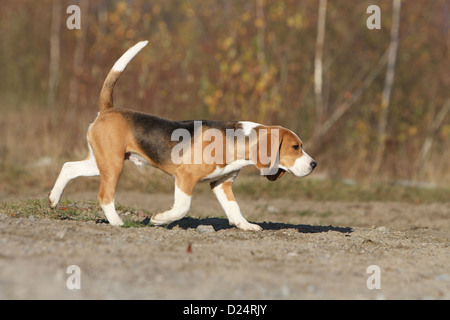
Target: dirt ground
x=307 y=250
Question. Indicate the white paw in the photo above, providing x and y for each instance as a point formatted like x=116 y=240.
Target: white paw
x=247 y=226
x=111 y=214
x=117 y=222
x=52 y=201
x=159 y=219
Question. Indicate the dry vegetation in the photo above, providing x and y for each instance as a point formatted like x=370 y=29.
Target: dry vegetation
x=234 y=60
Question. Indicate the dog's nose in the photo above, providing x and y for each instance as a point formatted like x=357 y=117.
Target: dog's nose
x=313 y=164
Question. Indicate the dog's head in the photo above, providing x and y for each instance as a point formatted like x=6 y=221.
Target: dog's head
x=285 y=150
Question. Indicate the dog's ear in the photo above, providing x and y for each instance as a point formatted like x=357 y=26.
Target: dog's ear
x=267 y=152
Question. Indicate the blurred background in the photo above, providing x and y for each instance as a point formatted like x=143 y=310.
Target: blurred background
x=371 y=105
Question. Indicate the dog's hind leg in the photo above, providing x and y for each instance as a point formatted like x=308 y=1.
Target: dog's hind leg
x=69 y=171
x=109 y=176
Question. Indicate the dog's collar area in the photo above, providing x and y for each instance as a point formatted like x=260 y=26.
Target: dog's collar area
x=273 y=177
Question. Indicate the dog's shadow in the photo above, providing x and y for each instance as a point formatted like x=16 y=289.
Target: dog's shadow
x=222 y=223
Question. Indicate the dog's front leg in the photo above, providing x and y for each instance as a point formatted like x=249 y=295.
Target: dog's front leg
x=225 y=195
x=181 y=205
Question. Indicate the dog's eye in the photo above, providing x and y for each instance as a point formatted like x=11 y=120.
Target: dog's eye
x=296 y=147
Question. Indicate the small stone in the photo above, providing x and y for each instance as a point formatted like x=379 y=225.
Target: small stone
x=442 y=277
x=60 y=235
x=205 y=229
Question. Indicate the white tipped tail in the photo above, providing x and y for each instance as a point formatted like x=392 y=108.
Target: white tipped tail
x=106 y=95
x=127 y=56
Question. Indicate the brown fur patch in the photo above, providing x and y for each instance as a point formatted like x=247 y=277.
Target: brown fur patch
x=228 y=191
x=112 y=137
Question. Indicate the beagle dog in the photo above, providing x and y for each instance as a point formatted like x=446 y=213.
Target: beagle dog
x=209 y=151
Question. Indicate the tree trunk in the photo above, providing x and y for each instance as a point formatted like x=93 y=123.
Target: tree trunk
x=435 y=125
x=55 y=35
x=318 y=62
x=78 y=56
x=342 y=107
x=261 y=56
x=261 y=35
x=386 y=96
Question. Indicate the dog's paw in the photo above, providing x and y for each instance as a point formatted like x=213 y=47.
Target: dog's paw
x=159 y=220
x=52 y=201
x=247 y=226
x=168 y=216
x=116 y=222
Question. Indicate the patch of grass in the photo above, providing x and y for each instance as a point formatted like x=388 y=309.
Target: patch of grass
x=75 y=211
x=133 y=224
x=66 y=210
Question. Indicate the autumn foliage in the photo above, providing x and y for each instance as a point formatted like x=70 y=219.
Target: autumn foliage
x=236 y=60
